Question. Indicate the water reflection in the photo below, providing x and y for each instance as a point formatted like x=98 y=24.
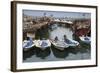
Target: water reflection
x=59 y=31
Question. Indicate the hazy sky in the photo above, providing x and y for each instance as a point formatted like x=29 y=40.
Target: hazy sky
x=57 y=14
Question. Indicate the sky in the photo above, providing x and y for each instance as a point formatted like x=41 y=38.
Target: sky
x=57 y=14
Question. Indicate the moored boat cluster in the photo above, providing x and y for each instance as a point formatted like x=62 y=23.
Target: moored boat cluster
x=36 y=46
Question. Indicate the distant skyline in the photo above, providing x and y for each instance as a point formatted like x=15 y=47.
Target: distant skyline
x=57 y=14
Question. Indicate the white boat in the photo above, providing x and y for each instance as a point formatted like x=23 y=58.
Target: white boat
x=60 y=45
x=71 y=42
x=59 y=49
x=27 y=44
x=42 y=49
x=43 y=44
x=85 y=39
x=28 y=48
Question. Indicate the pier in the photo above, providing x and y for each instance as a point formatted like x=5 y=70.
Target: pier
x=30 y=26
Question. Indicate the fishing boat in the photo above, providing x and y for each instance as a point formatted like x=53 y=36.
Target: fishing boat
x=59 y=48
x=60 y=45
x=42 y=48
x=85 y=39
x=71 y=43
x=28 y=48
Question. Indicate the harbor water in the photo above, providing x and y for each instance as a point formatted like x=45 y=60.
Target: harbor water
x=60 y=31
